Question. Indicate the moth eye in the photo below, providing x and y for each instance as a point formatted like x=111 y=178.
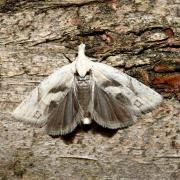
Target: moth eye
x=88 y=72
x=76 y=73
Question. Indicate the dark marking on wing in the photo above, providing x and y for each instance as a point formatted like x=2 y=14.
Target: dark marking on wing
x=123 y=99
x=137 y=103
x=53 y=105
x=58 y=89
x=37 y=115
x=111 y=82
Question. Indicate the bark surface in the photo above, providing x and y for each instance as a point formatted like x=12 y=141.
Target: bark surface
x=142 y=37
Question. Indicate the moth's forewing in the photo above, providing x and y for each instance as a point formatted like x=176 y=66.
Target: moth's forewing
x=35 y=109
x=119 y=84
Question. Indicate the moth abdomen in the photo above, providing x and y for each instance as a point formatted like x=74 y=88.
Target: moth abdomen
x=84 y=93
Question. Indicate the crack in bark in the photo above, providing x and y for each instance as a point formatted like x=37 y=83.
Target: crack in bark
x=146 y=29
x=15 y=5
x=92 y=33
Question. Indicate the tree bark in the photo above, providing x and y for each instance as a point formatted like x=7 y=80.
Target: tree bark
x=141 y=37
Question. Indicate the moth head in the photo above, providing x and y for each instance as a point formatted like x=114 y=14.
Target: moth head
x=83 y=78
x=83 y=64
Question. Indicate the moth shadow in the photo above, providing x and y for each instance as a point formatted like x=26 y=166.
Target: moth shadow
x=97 y=129
x=68 y=138
x=93 y=127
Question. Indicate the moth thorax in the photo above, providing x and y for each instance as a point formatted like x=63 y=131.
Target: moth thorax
x=82 y=66
x=82 y=63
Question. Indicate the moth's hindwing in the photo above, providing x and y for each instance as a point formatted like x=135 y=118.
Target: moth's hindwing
x=63 y=115
x=111 y=112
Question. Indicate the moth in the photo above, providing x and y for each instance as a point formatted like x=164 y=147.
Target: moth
x=84 y=91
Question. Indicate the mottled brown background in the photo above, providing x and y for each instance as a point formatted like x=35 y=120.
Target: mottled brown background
x=142 y=37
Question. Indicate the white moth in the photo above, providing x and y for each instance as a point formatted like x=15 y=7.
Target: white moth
x=83 y=91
